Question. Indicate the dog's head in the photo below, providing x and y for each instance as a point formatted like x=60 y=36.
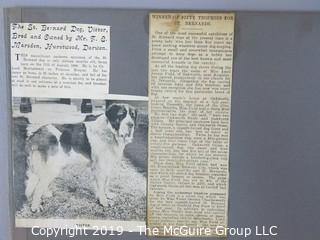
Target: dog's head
x=122 y=118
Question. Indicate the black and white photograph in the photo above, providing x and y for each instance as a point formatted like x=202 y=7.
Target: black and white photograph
x=79 y=159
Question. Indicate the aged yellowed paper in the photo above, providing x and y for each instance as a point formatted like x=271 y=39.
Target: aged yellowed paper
x=190 y=75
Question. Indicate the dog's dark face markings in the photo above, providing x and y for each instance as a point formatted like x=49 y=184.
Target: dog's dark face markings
x=116 y=113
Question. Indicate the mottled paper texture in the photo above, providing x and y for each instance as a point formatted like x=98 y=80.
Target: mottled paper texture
x=190 y=75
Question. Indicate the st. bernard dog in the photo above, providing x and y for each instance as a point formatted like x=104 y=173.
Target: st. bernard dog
x=100 y=143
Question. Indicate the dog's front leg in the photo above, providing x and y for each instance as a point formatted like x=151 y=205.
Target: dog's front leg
x=38 y=192
x=101 y=179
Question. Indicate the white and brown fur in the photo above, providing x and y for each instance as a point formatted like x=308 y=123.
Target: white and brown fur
x=100 y=143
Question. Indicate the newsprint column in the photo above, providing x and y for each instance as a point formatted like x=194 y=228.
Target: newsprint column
x=190 y=75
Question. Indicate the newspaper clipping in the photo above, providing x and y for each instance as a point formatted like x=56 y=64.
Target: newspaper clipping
x=190 y=75
x=79 y=153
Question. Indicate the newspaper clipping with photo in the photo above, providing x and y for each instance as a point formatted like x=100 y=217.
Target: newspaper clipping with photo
x=79 y=153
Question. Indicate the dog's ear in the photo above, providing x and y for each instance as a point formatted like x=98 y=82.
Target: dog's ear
x=133 y=113
x=112 y=115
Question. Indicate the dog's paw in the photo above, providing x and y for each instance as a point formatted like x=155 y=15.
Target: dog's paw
x=36 y=208
x=103 y=202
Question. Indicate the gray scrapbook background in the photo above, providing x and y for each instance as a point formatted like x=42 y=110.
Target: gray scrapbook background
x=275 y=127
